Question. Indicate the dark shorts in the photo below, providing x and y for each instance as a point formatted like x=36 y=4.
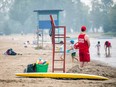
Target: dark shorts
x=73 y=54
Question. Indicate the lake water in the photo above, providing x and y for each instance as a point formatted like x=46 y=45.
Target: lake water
x=102 y=57
x=111 y=61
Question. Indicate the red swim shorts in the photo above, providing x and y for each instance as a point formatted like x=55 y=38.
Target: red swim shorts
x=84 y=56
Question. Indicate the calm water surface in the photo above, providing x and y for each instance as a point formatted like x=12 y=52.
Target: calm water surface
x=111 y=61
x=102 y=57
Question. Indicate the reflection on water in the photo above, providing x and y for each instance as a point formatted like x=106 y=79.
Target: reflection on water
x=109 y=59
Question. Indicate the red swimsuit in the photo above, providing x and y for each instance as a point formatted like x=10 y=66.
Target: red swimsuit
x=107 y=44
x=83 y=49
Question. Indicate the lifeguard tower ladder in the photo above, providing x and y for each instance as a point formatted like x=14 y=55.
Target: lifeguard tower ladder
x=57 y=35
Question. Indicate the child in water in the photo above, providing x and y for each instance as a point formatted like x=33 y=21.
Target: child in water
x=107 y=46
x=98 y=48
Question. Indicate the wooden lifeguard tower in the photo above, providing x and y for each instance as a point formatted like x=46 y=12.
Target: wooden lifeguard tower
x=58 y=32
x=43 y=22
x=50 y=20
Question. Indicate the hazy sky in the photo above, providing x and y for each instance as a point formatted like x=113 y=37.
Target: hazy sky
x=87 y=2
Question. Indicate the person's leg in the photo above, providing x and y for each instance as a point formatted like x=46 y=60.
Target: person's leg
x=85 y=63
x=81 y=60
x=74 y=56
x=81 y=64
x=72 y=59
x=108 y=51
x=61 y=57
x=98 y=51
x=86 y=58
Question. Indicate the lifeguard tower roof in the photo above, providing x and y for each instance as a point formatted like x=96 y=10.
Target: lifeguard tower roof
x=50 y=11
x=45 y=23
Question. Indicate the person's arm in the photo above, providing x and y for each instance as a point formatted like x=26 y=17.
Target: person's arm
x=105 y=45
x=110 y=45
x=71 y=48
x=87 y=39
x=95 y=45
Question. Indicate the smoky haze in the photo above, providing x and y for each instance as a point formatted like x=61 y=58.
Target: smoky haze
x=17 y=15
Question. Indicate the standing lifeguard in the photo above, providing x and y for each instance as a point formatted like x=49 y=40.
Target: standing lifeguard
x=84 y=44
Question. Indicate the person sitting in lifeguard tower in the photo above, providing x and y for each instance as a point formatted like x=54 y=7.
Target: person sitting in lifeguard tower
x=61 y=50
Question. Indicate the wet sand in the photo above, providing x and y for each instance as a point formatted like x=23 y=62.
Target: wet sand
x=9 y=65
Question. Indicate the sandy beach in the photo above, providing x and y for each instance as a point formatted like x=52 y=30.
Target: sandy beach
x=9 y=65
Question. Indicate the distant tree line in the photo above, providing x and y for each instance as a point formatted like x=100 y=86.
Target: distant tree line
x=17 y=15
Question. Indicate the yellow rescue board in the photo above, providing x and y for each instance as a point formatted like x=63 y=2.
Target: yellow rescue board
x=62 y=75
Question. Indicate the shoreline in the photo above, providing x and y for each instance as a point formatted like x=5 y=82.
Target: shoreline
x=16 y=64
